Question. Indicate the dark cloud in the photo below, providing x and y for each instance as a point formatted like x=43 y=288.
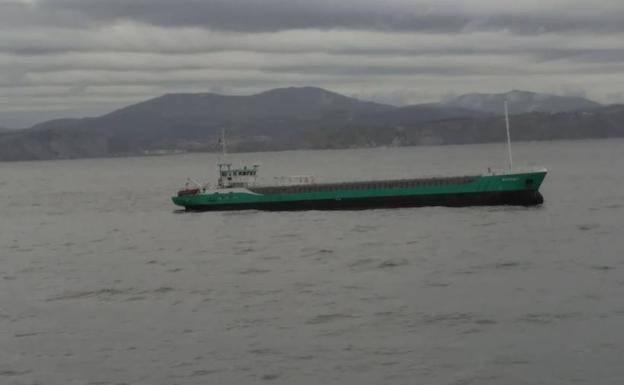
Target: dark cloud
x=276 y=15
x=380 y=70
x=262 y=16
x=587 y=55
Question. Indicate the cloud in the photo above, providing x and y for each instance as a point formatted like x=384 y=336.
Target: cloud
x=76 y=55
x=528 y=16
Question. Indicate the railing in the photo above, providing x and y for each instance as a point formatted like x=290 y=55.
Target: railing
x=515 y=170
x=294 y=180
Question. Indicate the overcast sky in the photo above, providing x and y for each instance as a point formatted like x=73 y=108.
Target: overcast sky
x=87 y=57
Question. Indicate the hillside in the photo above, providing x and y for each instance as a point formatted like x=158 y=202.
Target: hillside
x=605 y=122
x=521 y=102
x=293 y=118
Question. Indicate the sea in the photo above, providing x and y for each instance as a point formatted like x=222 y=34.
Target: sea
x=103 y=281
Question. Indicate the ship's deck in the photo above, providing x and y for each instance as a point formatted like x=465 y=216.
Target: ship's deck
x=363 y=185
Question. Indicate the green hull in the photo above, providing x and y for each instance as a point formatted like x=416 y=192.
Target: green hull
x=521 y=188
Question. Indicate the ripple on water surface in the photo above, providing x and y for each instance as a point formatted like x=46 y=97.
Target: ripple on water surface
x=102 y=282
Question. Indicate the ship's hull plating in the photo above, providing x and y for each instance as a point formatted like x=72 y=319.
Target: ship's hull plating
x=517 y=198
x=511 y=189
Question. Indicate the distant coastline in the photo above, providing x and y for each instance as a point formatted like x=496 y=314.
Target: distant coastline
x=307 y=118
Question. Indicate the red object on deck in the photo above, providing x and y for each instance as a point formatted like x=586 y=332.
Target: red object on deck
x=188 y=191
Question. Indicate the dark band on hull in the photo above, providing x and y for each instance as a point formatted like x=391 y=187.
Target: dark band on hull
x=515 y=198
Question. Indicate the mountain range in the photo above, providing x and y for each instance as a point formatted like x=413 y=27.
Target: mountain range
x=521 y=102
x=307 y=117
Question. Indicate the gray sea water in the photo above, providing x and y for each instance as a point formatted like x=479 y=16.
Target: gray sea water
x=103 y=282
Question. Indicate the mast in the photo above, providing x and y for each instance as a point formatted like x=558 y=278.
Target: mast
x=223 y=145
x=508 y=136
x=225 y=169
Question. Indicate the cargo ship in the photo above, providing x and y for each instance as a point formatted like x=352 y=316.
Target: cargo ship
x=236 y=189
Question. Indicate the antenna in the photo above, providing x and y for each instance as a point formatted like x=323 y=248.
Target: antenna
x=223 y=146
x=508 y=136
